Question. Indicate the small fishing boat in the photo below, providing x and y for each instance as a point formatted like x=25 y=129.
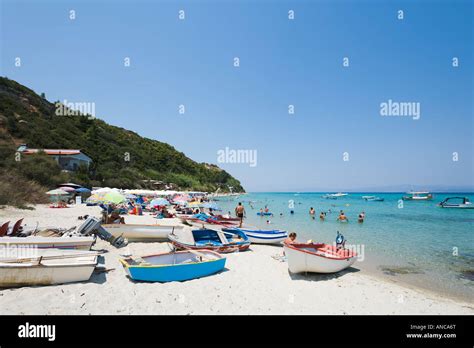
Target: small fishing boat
x=174 y=266
x=83 y=243
x=29 y=267
x=334 y=195
x=263 y=236
x=456 y=202
x=318 y=258
x=418 y=196
x=141 y=233
x=373 y=199
x=215 y=240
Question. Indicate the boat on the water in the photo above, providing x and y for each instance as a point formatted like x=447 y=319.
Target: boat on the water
x=373 y=199
x=264 y=213
x=215 y=240
x=418 y=196
x=83 y=243
x=334 y=195
x=318 y=258
x=456 y=202
x=46 y=266
x=141 y=233
x=263 y=236
x=174 y=266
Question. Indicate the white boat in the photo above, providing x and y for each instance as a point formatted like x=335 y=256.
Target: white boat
x=45 y=266
x=318 y=258
x=456 y=202
x=334 y=195
x=83 y=243
x=263 y=236
x=141 y=233
x=418 y=196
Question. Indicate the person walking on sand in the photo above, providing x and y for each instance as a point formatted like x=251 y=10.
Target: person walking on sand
x=240 y=212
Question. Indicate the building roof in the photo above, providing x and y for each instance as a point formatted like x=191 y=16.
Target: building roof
x=53 y=151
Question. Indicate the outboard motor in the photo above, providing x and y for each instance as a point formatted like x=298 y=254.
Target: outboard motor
x=92 y=226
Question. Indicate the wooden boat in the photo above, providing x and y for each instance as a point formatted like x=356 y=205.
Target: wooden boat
x=318 y=258
x=457 y=203
x=215 y=240
x=83 y=243
x=141 y=233
x=175 y=266
x=263 y=236
x=209 y=221
x=45 y=267
x=418 y=196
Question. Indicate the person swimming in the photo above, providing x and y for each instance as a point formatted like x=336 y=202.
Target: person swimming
x=312 y=212
x=342 y=217
x=361 y=217
x=322 y=216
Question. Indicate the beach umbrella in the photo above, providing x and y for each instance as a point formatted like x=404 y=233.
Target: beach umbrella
x=67 y=188
x=83 y=190
x=114 y=197
x=70 y=184
x=159 y=201
x=130 y=196
x=57 y=192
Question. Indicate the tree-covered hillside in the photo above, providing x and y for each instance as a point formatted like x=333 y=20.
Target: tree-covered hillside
x=121 y=158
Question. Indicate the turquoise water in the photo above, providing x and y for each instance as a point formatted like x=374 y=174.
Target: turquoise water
x=418 y=242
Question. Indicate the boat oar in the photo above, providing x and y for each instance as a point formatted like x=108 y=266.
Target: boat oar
x=41 y=258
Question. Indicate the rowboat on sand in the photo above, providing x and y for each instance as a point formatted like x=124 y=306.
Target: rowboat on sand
x=82 y=243
x=262 y=236
x=141 y=233
x=46 y=266
x=174 y=266
x=318 y=258
x=215 y=240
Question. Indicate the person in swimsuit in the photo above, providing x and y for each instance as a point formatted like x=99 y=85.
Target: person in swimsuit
x=342 y=217
x=312 y=212
x=291 y=238
x=240 y=212
x=322 y=216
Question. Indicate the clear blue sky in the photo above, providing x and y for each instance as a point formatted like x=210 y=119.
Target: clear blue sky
x=283 y=62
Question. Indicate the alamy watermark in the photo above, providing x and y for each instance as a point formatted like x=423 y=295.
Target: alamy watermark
x=403 y=109
x=228 y=155
x=66 y=108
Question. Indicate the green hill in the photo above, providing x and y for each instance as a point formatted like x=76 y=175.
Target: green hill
x=26 y=117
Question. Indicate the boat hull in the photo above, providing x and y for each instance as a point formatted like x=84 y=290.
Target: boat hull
x=300 y=261
x=264 y=237
x=141 y=233
x=80 y=243
x=48 y=272
x=176 y=272
x=217 y=248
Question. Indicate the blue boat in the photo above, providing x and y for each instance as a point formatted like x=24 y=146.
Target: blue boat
x=262 y=236
x=174 y=266
x=264 y=214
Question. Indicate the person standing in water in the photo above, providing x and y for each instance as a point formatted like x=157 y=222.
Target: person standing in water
x=312 y=212
x=361 y=217
x=240 y=212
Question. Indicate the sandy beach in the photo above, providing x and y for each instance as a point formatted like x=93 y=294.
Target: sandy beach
x=252 y=283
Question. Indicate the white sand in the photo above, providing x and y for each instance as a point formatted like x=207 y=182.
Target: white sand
x=253 y=283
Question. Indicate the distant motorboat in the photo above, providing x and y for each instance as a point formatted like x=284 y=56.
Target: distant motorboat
x=373 y=199
x=418 y=196
x=334 y=195
x=215 y=240
x=46 y=267
x=456 y=202
x=263 y=236
x=318 y=258
x=174 y=266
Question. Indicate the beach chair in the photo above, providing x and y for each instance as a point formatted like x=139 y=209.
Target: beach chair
x=4 y=229
x=16 y=228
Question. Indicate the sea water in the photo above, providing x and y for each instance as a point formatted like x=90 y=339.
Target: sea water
x=410 y=241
